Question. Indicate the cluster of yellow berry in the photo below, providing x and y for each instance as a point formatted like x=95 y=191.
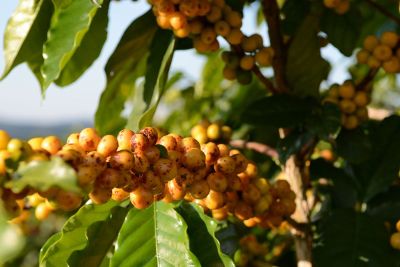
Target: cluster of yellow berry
x=145 y=168
x=383 y=52
x=339 y=6
x=251 y=252
x=352 y=103
x=395 y=237
x=240 y=62
x=203 y=20
x=211 y=132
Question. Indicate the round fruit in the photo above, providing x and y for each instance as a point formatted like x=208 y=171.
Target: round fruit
x=4 y=138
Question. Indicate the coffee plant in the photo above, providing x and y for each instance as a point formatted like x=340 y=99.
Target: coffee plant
x=264 y=160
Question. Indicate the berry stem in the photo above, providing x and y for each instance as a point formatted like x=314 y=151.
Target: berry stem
x=258 y=147
x=271 y=14
x=367 y=79
x=268 y=84
x=384 y=11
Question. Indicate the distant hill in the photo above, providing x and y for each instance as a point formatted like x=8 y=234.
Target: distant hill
x=26 y=131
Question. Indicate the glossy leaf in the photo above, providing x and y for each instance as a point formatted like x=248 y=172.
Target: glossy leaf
x=89 y=49
x=343 y=30
x=202 y=230
x=42 y=175
x=69 y=24
x=347 y=238
x=155 y=236
x=126 y=64
x=25 y=33
x=306 y=69
x=75 y=233
x=101 y=236
x=278 y=111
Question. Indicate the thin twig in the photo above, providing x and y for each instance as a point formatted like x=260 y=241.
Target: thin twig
x=258 y=147
x=271 y=14
x=268 y=84
x=300 y=227
x=384 y=11
x=367 y=79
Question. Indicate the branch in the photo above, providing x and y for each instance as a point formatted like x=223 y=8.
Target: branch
x=268 y=84
x=271 y=14
x=258 y=147
x=383 y=10
x=367 y=79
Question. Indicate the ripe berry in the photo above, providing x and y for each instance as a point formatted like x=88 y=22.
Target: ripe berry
x=176 y=191
x=347 y=90
x=243 y=211
x=215 y=14
x=51 y=144
x=118 y=194
x=361 y=99
x=217 y=182
x=225 y=165
x=211 y=152
x=122 y=160
x=139 y=142
x=370 y=42
x=108 y=144
x=395 y=240
x=189 y=143
x=141 y=198
x=223 y=150
x=194 y=159
x=214 y=200
x=347 y=106
x=177 y=20
x=351 y=122
x=390 y=39
x=220 y=214
x=4 y=139
x=235 y=37
x=35 y=143
x=234 y=19
x=229 y=73
x=73 y=139
x=152 y=153
x=382 y=52
x=141 y=162
x=68 y=201
x=222 y=28
x=109 y=178
x=199 y=132
x=43 y=210
x=151 y=134
x=199 y=189
x=124 y=139
x=166 y=169
x=251 y=194
x=86 y=175
x=392 y=65
x=362 y=56
x=247 y=62
x=89 y=139
x=264 y=56
x=373 y=62
x=168 y=141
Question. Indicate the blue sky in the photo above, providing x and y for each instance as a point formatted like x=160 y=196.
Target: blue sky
x=20 y=98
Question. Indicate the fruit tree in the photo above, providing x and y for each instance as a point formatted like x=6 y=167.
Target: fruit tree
x=269 y=158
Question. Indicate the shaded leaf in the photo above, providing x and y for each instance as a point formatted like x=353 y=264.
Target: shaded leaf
x=74 y=235
x=26 y=32
x=126 y=64
x=69 y=24
x=202 y=230
x=155 y=236
x=278 y=111
x=306 y=69
x=354 y=145
x=343 y=30
x=42 y=175
x=294 y=12
x=347 y=238
x=101 y=236
x=89 y=49
x=325 y=121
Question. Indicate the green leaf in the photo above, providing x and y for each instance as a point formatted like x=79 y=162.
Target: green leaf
x=75 y=233
x=385 y=161
x=202 y=230
x=294 y=13
x=50 y=242
x=158 y=48
x=69 y=25
x=89 y=49
x=292 y=144
x=306 y=69
x=278 y=111
x=126 y=64
x=25 y=33
x=211 y=76
x=325 y=121
x=42 y=175
x=155 y=236
x=343 y=30
x=354 y=145
x=101 y=236
x=347 y=238
x=386 y=206
x=142 y=114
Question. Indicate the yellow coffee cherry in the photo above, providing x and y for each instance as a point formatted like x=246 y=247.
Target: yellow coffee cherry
x=199 y=132
x=222 y=28
x=182 y=32
x=89 y=139
x=373 y=62
x=208 y=35
x=392 y=65
x=215 y=14
x=362 y=56
x=370 y=42
x=200 y=46
x=177 y=20
x=229 y=73
x=347 y=90
x=247 y=62
x=331 y=3
x=351 y=122
x=382 y=52
x=361 y=99
x=398 y=226
x=4 y=139
x=163 y=22
x=51 y=144
x=234 y=19
x=342 y=7
x=390 y=39
x=251 y=43
x=347 y=106
x=395 y=240
x=264 y=57
x=196 y=26
x=235 y=37
x=214 y=131
x=36 y=143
